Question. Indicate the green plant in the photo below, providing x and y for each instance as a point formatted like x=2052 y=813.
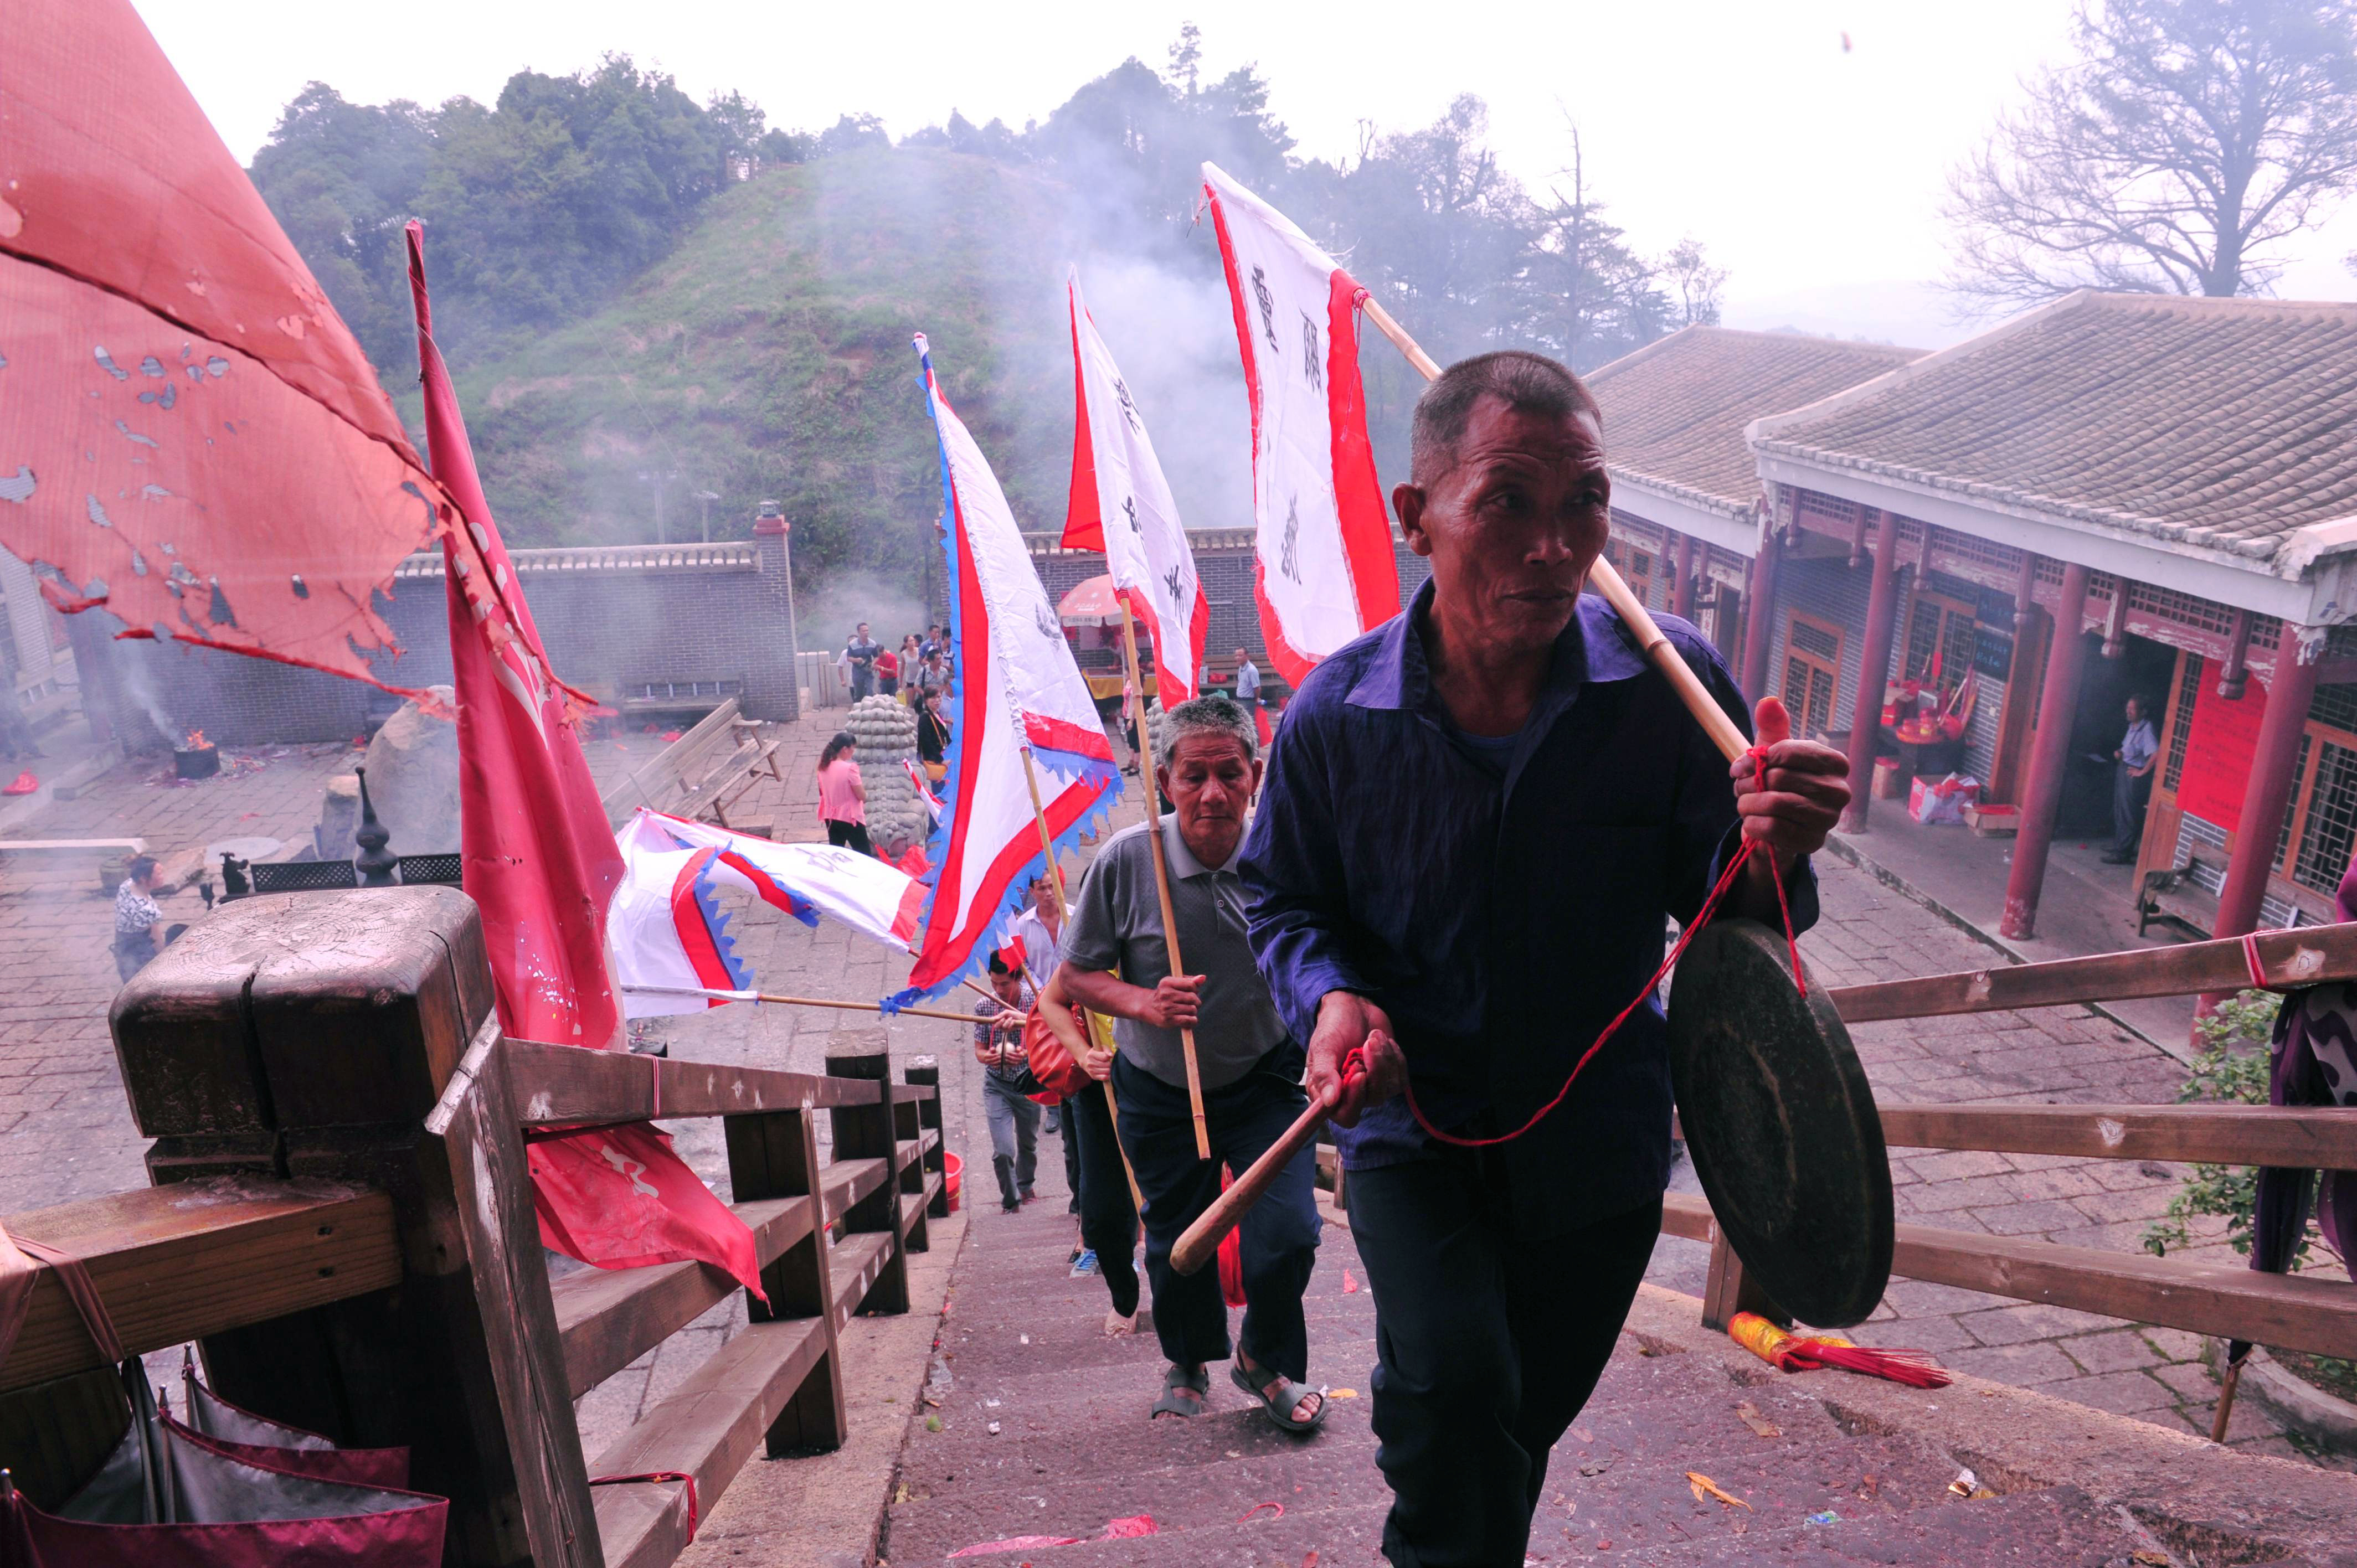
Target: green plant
x=2232 y=1067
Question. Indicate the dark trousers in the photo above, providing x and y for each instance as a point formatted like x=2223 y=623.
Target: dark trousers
x=1280 y=1233
x=1065 y=1111
x=1487 y=1344
x=1108 y=1215
x=2129 y=794
x=133 y=950
x=849 y=835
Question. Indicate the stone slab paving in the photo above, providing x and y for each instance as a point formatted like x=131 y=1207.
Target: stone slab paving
x=1041 y=1430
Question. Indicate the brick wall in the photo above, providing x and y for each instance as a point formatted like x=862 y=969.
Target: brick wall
x=614 y=619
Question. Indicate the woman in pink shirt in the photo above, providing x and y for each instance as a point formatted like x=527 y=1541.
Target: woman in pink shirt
x=841 y=798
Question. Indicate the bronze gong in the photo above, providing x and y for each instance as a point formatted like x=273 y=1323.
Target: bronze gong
x=1782 y=1125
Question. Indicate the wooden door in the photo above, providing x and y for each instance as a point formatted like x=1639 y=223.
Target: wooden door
x=1811 y=674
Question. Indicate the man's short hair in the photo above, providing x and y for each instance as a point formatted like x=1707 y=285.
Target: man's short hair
x=999 y=965
x=139 y=867
x=1528 y=383
x=1214 y=714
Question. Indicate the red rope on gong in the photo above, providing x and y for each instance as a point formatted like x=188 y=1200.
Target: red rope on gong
x=1354 y=1065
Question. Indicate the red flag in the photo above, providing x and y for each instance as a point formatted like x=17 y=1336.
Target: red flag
x=541 y=864
x=189 y=435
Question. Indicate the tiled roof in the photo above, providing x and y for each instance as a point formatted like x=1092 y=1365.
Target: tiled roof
x=2225 y=423
x=1675 y=411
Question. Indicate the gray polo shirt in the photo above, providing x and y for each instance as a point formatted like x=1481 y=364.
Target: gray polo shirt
x=1117 y=925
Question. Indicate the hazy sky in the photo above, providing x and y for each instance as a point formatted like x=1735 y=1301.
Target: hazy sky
x=1811 y=171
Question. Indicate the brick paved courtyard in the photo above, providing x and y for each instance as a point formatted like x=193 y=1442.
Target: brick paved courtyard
x=65 y=1131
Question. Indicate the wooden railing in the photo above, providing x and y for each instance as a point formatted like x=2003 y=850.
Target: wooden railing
x=343 y=1220
x=2301 y=1312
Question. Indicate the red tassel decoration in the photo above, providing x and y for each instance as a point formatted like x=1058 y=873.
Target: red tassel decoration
x=1792 y=1353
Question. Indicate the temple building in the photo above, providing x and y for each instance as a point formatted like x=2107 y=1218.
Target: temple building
x=2111 y=496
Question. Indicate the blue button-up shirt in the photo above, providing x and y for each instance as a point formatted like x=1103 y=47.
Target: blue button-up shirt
x=1501 y=903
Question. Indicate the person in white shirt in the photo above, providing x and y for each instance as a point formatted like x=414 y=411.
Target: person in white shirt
x=2132 y=784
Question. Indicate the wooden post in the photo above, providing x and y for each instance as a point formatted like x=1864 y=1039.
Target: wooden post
x=2050 y=756
x=1727 y=1289
x=2234 y=674
x=2274 y=764
x=1760 y=612
x=865 y=1132
x=925 y=1069
x=350 y=1035
x=775 y=1154
x=1873 y=672
x=1162 y=878
x=1682 y=592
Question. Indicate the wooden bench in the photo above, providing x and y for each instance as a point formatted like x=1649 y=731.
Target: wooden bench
x=702 y=772
x=2174 y=895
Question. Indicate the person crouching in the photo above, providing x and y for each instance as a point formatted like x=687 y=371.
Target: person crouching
x=1116 y=962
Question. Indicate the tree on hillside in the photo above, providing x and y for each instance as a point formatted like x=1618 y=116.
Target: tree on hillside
x=538 y=206
x=2187 y=140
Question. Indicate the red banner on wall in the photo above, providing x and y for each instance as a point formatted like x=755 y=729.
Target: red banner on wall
x=2220 y=750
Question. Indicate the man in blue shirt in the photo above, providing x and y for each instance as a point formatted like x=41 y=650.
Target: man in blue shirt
x=2131 y=783
x=1247 y=681
x=1476 y=820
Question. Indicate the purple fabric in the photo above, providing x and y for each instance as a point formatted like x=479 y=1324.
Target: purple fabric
x=2313 y=1062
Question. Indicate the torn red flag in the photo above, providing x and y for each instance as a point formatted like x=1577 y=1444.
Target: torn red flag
x=542 y=862
x=189 y=435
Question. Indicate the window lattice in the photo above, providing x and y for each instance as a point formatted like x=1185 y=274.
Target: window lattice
x=1970 y=547
x=2185 y=609
x=2102 y=585
x=2331 y=820
x=1832 y=508
x=2267 y=631
x=1815 y=639
x=2049 y=569
x=2182 y=727
x=2335 y=705
x=2291 y=806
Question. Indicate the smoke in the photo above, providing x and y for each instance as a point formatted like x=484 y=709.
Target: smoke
x=845 y=599
x=139 y=683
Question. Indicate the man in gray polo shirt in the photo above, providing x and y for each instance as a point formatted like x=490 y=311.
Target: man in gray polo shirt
x=1209 y=767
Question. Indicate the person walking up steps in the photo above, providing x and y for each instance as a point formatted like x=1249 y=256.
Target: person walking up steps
x=1006 y=1085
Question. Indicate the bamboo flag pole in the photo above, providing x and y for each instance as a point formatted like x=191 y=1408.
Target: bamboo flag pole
x=1063 y=922
x=1712 y=718
x=797 y=1001
x=1162 y=876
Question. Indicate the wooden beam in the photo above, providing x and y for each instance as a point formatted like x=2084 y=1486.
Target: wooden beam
x=557 y=1085
x=847 y=1182
x=175 y=1262
x=608 y=1318
x=858 y=1263
x=2302 y=956
x=2296 y=1312
x=708 y=1430
x=2218 y=1134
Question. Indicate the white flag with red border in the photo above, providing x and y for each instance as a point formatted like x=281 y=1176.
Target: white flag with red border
x=1121 y=505
x=1016 y=691
x=1325 y=573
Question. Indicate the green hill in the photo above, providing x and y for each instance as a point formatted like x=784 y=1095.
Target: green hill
x=768 y=357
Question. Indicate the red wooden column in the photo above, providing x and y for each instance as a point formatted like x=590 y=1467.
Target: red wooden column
x=1758 y=612
x=2050 y=755
x=2272 y=762
x=1873 y=672
x=1681 y=590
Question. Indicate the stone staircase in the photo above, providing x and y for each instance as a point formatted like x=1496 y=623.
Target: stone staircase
x=1074 y=1450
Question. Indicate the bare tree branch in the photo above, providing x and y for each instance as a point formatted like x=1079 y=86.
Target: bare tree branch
x=2186 y=143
